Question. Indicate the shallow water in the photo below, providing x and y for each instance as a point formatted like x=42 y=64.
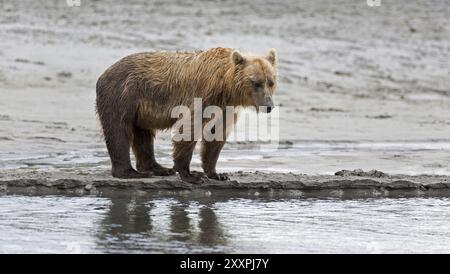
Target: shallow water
x=51 y=224
x=309 y=157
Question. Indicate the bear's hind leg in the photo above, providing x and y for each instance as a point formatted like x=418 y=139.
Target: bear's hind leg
x=143 y=149
x=118 y=145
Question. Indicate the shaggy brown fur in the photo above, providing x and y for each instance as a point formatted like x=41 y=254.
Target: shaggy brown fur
x=136 y=95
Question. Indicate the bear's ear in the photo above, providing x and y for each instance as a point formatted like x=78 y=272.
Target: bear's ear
x=237 y=58
x=272 y=57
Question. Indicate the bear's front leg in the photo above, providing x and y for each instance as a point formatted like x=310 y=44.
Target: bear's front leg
x=210 y=152
x=182 y=155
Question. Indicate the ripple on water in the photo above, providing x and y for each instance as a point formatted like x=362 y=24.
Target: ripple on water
x=178 y=225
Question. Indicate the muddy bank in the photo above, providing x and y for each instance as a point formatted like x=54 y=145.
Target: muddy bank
x=346 y=184
x=359 y=86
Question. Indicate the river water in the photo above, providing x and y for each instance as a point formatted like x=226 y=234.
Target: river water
x=138 y=224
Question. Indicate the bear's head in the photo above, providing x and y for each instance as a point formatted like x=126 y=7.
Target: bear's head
x=257 y=78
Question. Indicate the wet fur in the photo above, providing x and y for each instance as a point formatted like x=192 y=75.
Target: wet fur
x=136 y=95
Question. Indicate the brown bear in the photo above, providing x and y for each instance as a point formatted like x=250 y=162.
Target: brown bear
x=135 y=97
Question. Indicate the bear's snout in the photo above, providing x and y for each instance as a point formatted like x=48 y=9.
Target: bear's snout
x=266 y=108
x=269 y=105
x=270 y=108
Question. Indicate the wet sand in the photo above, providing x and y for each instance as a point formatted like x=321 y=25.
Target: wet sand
x=359 y=87
x=345 y=184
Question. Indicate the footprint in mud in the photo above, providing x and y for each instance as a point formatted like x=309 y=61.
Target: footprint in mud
x=64 y=74
x=32 y=121
x=20 y=60
x=46 y=139
x=5 y=117
x=26 y=61
x=343 y=73
x=57 y=125
x=330 y=109
x=381 y=116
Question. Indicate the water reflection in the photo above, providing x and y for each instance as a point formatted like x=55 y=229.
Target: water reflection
x=136 y=224
x=128 y=224
x=180 y=223
x=211 y=231
x=127 y=216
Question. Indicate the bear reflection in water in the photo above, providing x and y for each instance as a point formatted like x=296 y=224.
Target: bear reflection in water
x=141 y=224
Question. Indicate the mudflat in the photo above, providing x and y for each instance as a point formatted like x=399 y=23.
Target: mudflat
x=360 y=87
x=344 y=184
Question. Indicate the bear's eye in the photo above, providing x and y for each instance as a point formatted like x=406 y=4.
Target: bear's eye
x=258 y=84
x=270 y=83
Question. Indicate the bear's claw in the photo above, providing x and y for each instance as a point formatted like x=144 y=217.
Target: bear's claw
x=132 y=174
x=163 y=171
x=193 y=177
x=218 y=176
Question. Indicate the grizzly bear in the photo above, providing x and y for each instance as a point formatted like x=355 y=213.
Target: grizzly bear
x=135 y=97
